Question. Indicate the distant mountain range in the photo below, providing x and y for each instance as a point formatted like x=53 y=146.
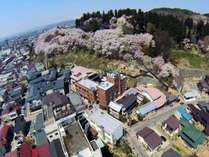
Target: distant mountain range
x=38 y=30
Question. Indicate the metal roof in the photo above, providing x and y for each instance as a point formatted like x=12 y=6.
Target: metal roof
x=41 y=137
x=39 y=122
x=128 y=101
x=191 y=135
x=104 y=120
x=115 y=106
x=183 y=113
x=88 y=84
x=148 y=107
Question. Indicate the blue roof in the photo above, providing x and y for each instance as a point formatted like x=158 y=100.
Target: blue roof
x=41 y=137
x=146 y=108
x=39 y=123
x=183 y=113
x=37 y=80
x=33 y=74
x=52 y=74
x=58 y=84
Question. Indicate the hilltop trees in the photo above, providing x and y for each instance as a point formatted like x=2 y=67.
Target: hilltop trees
x=163 y=43
x=177 y=28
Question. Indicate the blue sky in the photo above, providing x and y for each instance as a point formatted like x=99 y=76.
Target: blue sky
x=21 y=15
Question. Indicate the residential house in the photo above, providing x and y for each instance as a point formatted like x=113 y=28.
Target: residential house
x=76 y=100
x=171 y=125
x=9 y=110
x=147 y=108
x=12 y=154
x=155 y=96
x=203 y=106
x=181 y=113
x=42 y=151
x=6 y=136
x=25 y=150
x=52 y=132
x=57 y=106
x=191 y=135
x=170 y=153
x=149 y=138
x=22 y=126
x=123 y=105
x=191 y=96
x=200 y=116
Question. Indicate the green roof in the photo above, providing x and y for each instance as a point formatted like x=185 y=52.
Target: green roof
x=191 y=135
x=41 y=137
x=39 y=123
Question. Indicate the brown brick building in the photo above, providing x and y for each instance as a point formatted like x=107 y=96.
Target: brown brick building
x=87 y=89
x=119 y=82
x=105 y=93
x=102 y=92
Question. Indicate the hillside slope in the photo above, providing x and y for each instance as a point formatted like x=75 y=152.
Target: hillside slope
x=182 y=14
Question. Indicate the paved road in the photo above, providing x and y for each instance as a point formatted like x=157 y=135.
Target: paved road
x=158 y=117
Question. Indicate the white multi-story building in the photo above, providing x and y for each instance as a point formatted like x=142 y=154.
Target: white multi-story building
x=109 y=129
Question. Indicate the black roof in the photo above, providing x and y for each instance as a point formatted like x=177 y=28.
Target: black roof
x=199 y=115
x=95 y=77
x=203 y=105
x=128 y=101
x=21 y=125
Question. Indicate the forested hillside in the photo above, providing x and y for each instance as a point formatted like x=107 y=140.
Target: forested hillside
x=152 y=22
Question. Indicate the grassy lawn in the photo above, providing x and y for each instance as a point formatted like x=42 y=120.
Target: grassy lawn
x=190 y=59
x=123 y=150
x=90 y=60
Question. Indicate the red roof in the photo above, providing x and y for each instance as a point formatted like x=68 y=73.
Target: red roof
x=11 y=154
x=25 y=150
x=43 y=150
x=3 y=134
x=34 y=152
x=93 y=131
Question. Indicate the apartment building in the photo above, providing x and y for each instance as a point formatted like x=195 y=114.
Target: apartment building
x=101 y=91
